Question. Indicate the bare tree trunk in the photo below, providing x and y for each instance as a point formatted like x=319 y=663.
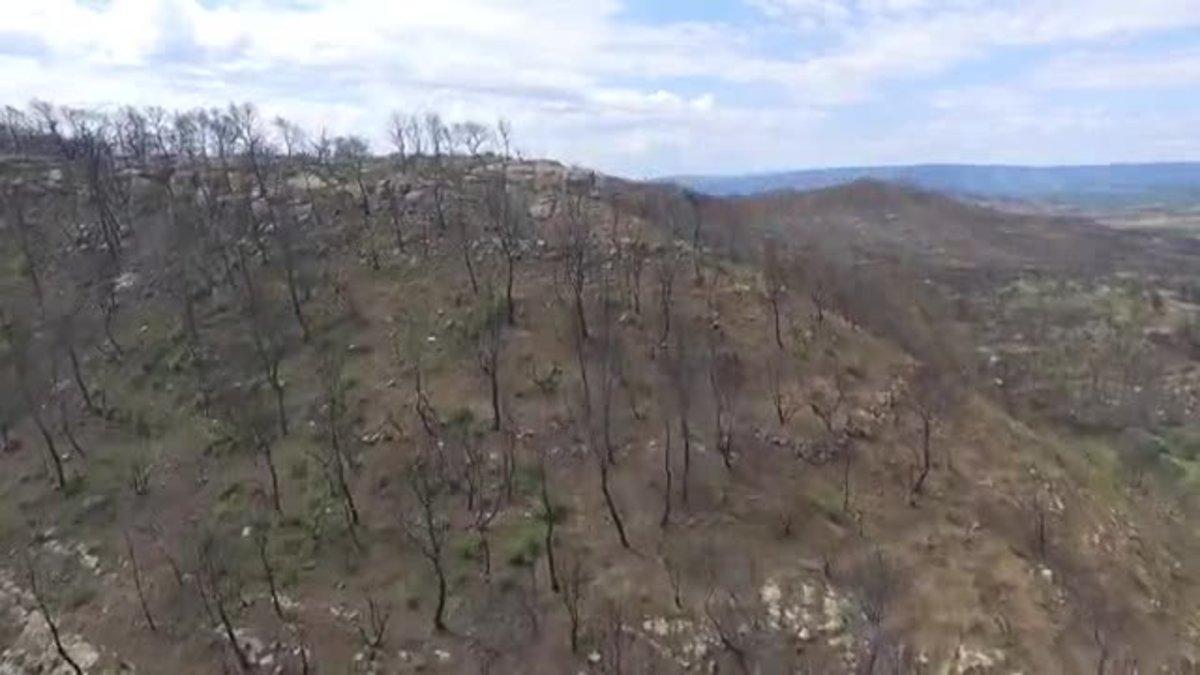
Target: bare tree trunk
x=397 y=219
x=230 y=633
x=109 y=308
x=848 y=455
x=201 y=372
x=64 y=416
x=666 y=514
x=1102 y=647
x=486 y=547
x=176 y=571
x=280 y=408
x=297 y=309
x=305 y=668
x=510 y=304
x=269 y=356
x=778 y=329
x=337 y=460
x=208 y=576
x=32 y=270
x=429 y=535
x=666 y=318
x=439 y=205
x=51 y=449
x=723 y=417
x=269 y=574
x=344 y=488
x=509 y=467
x=610 y=452
x=580 y=316
x=195 y=347
x=584 y=385
x=1040 y=533
x=926 y=432
x=137 y=583
x=489 y=361
x=439 y=621
x=612 y=507
x=424 y=409
x=551 y=517
x=572 y=599
x=269 y=458
x=77 y=374
x=687 y=454
x=465 y=245
x=54 y=633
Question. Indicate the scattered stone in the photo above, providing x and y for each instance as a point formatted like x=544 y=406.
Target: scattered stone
x=125 y=281
x=33 y=649
x=968 y=660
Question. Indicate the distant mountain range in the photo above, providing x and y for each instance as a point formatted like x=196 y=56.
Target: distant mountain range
x=1097 y=187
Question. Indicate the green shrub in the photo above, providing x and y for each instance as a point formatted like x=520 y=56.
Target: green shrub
x=522 y=544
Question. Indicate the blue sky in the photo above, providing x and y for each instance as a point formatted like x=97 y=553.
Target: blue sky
x=645 y=88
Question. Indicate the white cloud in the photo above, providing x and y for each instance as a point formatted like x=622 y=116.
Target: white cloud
x=919 y=38
x=812 y=13
x=579 y=80
x=552 y=67
x=1122 y=71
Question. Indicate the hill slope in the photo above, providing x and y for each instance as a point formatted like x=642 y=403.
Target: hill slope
x=945 y=233
x=1088 y=188
x=470 y=413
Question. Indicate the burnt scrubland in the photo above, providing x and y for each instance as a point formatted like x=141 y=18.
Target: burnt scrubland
x=270 y=402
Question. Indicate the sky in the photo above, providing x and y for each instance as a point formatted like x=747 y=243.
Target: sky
x=647 y=88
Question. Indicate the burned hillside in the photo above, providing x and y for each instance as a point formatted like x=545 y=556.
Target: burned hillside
x=273 y=403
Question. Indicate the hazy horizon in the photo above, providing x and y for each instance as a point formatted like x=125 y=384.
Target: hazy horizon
x=964 y=164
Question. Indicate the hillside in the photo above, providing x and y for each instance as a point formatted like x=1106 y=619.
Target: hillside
x=947 y=234
x=320 y=411
x=1083 y=188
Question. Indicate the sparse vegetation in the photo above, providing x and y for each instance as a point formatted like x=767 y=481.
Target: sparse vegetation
x=288 y=404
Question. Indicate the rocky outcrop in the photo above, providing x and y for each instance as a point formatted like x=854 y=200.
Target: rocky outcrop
x=32 y=649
